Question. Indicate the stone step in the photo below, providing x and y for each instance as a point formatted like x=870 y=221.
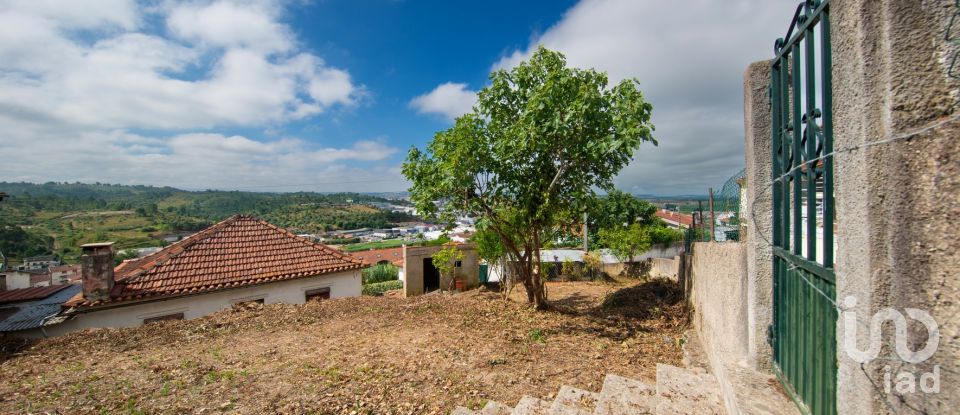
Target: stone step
x=495 y=408
x=529 y=405
x=623 y=396
x=682 y=391
x=573 y=401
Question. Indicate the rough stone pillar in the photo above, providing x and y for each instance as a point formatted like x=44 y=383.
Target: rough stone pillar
x=756 y=110
x=96 y=267
x=897 y=201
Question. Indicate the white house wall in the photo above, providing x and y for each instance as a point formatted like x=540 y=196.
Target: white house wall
x=17 y=280
x=343 y=284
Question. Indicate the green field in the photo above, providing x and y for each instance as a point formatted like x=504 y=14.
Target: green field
x=389 y=243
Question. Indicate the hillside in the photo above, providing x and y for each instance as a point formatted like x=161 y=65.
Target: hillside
x=368 y=355
x=59 y=217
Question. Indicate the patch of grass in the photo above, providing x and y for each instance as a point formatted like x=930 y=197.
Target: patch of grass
x=331 y=374
x=536 y=336
x=215 y=376
x=378 y=288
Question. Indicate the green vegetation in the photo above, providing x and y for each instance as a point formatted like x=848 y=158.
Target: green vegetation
x=541 y=138
x=628 y=226
x=59 y=217
x=388 y=243
x=379 y=288
x=379 y=273
x=18 y=243
x=626 y=242
x=445 y=261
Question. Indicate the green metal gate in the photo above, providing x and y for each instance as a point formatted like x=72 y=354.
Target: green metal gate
x=804 y=290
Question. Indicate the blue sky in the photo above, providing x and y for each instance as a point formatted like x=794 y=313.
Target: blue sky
x=401 y=49
x=328 y=95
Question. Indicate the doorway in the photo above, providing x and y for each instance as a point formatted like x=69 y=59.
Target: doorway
x=431 y=276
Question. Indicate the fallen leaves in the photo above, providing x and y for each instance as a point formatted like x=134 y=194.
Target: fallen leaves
x=366 y=355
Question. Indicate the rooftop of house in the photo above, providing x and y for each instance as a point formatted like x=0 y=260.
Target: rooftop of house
x=41 y=258
x=27 y=294
x=684 y=219
x=27 y=308
x=239 y=251
x=374 y=256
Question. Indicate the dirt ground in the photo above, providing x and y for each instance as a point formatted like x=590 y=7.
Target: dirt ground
x=375 y=355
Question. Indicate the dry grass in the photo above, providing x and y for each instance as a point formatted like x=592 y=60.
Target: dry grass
x=360 y=355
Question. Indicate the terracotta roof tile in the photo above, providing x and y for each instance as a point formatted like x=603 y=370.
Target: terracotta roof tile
x=374 y=256
x=685 y=220
x=238 y=251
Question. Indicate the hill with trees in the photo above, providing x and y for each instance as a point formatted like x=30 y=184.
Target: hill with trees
x=59 y=217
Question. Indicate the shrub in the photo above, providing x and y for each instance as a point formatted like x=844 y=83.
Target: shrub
x=570 y=270
x=380 y=273
x=378 y=288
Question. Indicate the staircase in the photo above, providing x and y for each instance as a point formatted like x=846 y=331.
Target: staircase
x=678 y=391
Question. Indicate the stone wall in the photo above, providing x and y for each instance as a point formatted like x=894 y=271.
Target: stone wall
x=756 y=210
x=665 y=268
x=718 y=295
x=897 y=204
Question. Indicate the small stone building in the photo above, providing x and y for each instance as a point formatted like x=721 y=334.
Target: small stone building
x=421 y=276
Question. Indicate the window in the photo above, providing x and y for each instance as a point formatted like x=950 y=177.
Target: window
x=318 y=294
x=458 y=264
x=174 y=316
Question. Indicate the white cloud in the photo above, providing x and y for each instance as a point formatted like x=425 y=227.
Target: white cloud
x=228 y=24
x=125 y=78
x=78 y=14
x=689 y=59
x=450 y=100
x=78 y=78
x=193 y=160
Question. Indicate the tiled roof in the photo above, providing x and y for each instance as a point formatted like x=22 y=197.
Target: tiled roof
x=237 y=252
x=27 y=294
x=374 y=256
x=685 y=220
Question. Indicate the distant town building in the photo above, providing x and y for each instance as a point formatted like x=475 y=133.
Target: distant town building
x=39 y=262
x=675 y=220
x=14 y=279
x=64 y=274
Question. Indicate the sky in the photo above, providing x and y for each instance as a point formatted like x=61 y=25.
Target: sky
x=329 y=95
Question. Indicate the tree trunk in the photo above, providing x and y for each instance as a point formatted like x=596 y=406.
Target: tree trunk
x=539 y=297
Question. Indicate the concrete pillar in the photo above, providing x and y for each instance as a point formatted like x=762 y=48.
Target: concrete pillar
x=897 y=203
x=757 y=211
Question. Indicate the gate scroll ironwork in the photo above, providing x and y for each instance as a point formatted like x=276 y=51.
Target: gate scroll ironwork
x=803 y=334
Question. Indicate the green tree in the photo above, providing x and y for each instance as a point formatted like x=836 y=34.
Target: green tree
x=445 y=260
x=529 y=157
x=626 y=241
x=620 y=209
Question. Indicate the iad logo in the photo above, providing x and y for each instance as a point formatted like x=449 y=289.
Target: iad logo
x=906 y=382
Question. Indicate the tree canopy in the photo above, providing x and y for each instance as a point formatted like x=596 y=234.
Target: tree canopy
x=528 y=158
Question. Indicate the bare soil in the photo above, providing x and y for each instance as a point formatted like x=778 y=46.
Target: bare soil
x=373 y=355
